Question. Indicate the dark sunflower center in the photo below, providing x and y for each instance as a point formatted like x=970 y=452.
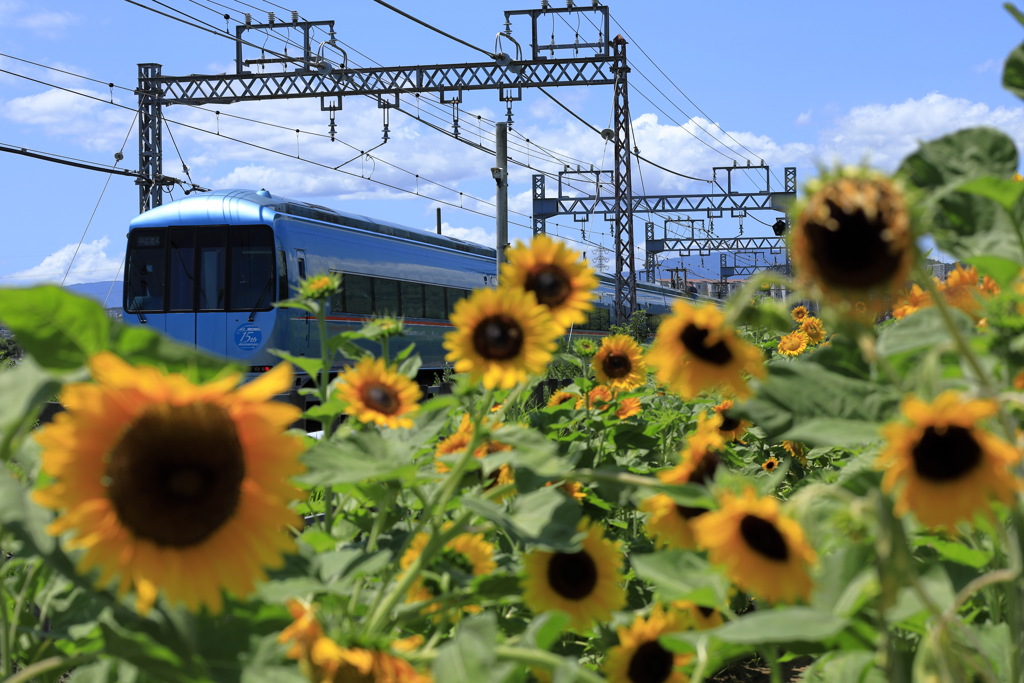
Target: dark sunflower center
x=651 y=663
x=694 y=338
x=175 y=474
x=550 y=284
x=616 y=365
x=762 y=536
x=770 y=465
x=449 y=562
x=728 y=423
x=498 y=337
x=705 y=469
x=946 y=455
x=706 y=611
x=572 y=575
x=382 y=399
x=857 y=253
x=687 y=512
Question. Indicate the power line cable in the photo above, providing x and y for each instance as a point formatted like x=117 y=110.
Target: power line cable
x=434 y=28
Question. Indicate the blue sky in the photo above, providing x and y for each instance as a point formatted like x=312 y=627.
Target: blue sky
x=800 y=83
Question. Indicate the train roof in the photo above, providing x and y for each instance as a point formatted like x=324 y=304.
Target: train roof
x=230 y=207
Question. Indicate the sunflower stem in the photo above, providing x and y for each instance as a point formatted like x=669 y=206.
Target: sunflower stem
x=437 y=540
x=775 y=671
x=30 y=672
x=5 y=637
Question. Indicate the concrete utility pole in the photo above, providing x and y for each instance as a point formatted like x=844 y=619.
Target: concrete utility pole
x=500 y=173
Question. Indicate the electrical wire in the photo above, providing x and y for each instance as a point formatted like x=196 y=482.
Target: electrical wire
x=95 y=208
x=434 y=28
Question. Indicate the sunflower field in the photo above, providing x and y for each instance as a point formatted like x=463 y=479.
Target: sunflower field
x=826 y=488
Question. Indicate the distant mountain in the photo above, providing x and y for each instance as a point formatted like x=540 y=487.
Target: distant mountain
x=108 y=293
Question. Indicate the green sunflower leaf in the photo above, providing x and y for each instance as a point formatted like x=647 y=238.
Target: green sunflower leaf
x=470 y=655
x=1013 y=69
x=345 y=460
x=682 y=575
x=791 y=403
x=783 y=626
x=943 y=164
x=60 y=330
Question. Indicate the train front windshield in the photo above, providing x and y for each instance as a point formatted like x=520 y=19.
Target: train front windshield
x=204 y=268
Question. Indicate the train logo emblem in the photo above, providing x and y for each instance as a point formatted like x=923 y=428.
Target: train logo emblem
x=248 y=337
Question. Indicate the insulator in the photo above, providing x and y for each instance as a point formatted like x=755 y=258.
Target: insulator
x=295 y=16
x=270 y=17
x=248 y=18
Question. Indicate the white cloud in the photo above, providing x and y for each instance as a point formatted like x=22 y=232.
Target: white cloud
x=804 y=118
x=93 y=124
x=50 y=25
x=882 y=135
x=91 y=264
x=474 y=234
x=987 y=65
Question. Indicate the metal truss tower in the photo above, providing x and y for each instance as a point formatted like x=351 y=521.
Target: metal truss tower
x=315 y=76
x=712 y=205
x=625 y=271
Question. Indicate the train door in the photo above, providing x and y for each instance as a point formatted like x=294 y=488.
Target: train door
x=211 y=289
x=248 y=325
x=181 y=313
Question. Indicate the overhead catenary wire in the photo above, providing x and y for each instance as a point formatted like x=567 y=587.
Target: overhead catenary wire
x=434 y=28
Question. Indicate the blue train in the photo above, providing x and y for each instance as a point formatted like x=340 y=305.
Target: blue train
x=207 y=269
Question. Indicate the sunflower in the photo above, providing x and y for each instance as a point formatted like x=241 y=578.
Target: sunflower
x=501 y=336
x=377 y=393
x=620 y=363
x=459 y=441
x=763 y=552
x=793 y=344
x=331 y=662
x=170 y=485
x=585 y=347
x=699 y=460
x=814 y=329
x=797 y=451
x=640 y=658
x=770 y=465
x=730 y=428
x=852 y=236
x=320 y=287
x=598 y=398
x=558 y=277
x=303 y=632
x=668 y=522
x=694 y=351
x=942 y=465
x=799 y=313
x=465 y=556
x=560 y=397
x=1018 y=381
x=700 y=617
x=586 y=585
x=628 y=407
x=913 y=300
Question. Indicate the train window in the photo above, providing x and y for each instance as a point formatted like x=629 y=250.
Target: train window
x=302 y=267
x=433 y=300
x=251 y=285
x=600 y=319
x=453 y=296
x=210 y=243
x=385 y=297
x=358 y=294
x=144 y=272
x=181 y=273
x=412 y=299
x=282 y=275
x=337 y=301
